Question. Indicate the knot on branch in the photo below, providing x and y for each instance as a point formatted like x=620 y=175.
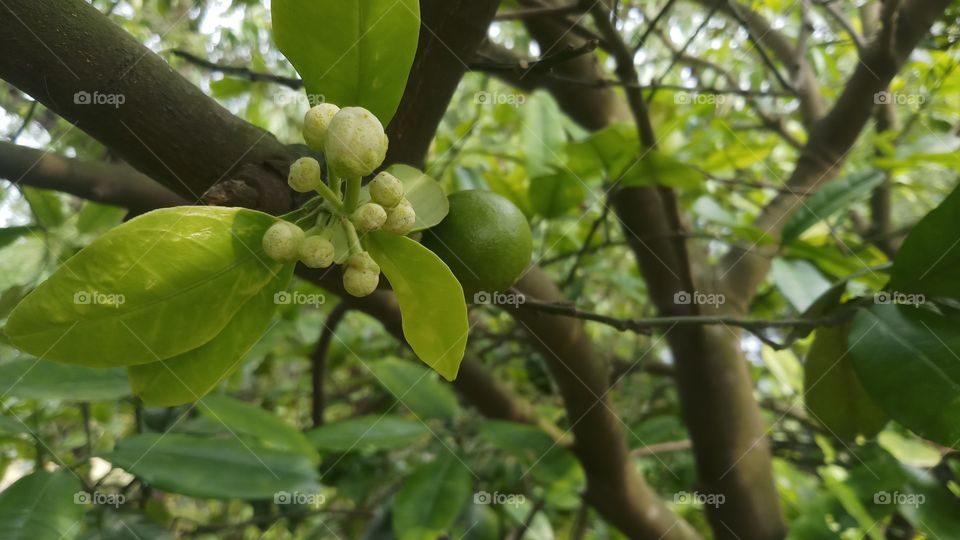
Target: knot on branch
x=258 y=186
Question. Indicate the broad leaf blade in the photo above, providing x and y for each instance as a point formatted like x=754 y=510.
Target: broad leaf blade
x=40 y=506
x=431 y=499
x=213 y=468
x=431 y=300
x=131 y=296
x=833 y=392
x=416 y=388
x=41 y=379
x=425 y=194
x=242 y=417
x=927 y=261
x=368 y=433
x=828 y=200
x=553 y=195
x=905 y=357
x=187 y=377
x=355 y=53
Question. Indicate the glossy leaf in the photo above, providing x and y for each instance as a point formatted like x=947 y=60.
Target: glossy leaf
x=46 y=206
x=187 y=377
x=40 y=506
x=905 y=357
x=553 y=195
x=833 y=392
x=416 y=388
x=653 y=168
x=430 y=297
x=425 y=194
x=214 y=468
x=31 y=378
x=542 y=136
x=927 y=260
x=431 y=498
x=541 y=456
x=131 y=296
x=368 y=433
x=833 y=197
x=350 y=53
x=247 y=418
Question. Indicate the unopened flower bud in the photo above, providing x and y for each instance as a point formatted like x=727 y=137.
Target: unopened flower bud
x=305 y=175
x=363 y=261
x=400 y=219
x=386 y=190
x=315 y=125
x=360 y=283
x=355 y=143
x=316 y=252
x=282 y=242
x=369 y=217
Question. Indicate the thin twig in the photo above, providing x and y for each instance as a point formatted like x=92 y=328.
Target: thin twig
x=530 y=13
x=546 y=63
x=238 y=71
x=319 y=360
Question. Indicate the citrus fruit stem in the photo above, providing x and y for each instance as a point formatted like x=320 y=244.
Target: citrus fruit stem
x=353 y=194
x=352 y=239
x=331 y=196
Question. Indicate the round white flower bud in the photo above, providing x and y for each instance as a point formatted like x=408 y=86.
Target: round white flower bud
x=356 y=143
x=305 y=175
x=386 y=190
x=316 y=252
x=282 y=242
x=360 y=283
x=400 y=219
x=315 y=125
x=369 y=217
x=363 y=261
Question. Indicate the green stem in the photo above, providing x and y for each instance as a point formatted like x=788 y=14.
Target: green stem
x=353 y=194
x=352 y=239
x=336 y=184
x=332 y=197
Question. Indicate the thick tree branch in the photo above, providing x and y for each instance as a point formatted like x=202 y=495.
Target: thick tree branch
x=128 y=98
x=118 y=185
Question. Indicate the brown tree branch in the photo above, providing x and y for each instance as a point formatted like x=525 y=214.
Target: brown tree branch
x=318 y=361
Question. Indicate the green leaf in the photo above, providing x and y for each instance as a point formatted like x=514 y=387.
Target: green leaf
x=425 y=194
x=833 y=197
x=131 y=296
x=351 y=53
x=95 y=217
x=548 y=462
x=930 y=506
x=46 y=206
x=905 y=358
x=833 y=393
x=368 y=433
x=187 y=377
x=40 y=506
x=416 y=388
x=607 y=152
x=229 y=87
x=214 y=468
x=431 y=498
x=799 y=281
x=268 y=428
x=657 y=168
x=430 y=297
x=553 y=195
x=928 y=258
x=41 y=379
x=542 y=134
x=12 y=426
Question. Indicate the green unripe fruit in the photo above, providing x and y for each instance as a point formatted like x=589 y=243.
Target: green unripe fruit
x=363 y=261
x=386 y=190
x=369 y=217
x=316 y=123
x=316 y=252
x=360 y=283
x=356 y=143
x=305 y=175
x=401 y=218
x=282 y=242
x=485 y=240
